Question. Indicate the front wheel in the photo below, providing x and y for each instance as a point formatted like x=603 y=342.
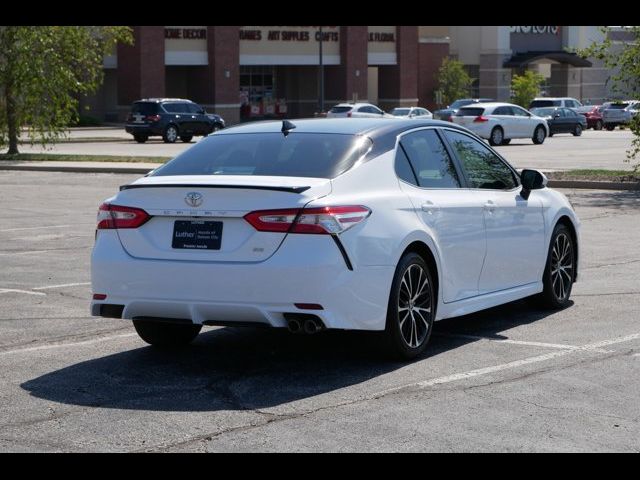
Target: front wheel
x=161 y=334
x=411 y=309
x=170 y=134
x=539 y=135
x=559 y=271
x=577 y=131
x=506 y=141
x=598 y=125
x=610 y=127
x=496 y=137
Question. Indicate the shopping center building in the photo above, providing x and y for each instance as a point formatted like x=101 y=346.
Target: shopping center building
x=251 y=72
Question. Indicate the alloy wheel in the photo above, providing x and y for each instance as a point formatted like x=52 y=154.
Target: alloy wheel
x=540 y=135
x=562 y=266
x=172 y=134
x=414 y=306
x=497 y=136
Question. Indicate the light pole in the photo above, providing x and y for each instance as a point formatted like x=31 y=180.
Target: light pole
x=321 y=72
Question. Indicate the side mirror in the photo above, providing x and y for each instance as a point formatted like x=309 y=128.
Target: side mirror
x=202 y=111
x=556 y=115
x=531 y=180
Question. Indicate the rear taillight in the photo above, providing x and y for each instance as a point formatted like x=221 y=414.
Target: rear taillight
x=449 y=118
x=323 y=220
x=117 y=216
x=480 y=119
x=152 y=118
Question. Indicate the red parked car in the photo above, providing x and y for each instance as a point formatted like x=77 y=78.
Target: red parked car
x=593 y=114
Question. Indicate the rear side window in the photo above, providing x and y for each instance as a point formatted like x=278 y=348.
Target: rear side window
x=340 y=109
x=178 y=107
x=484 y=168
x=316 y=155
x=618 y=106
x=403 y=168
x=503 y=111
x=194 y=108
x=430 y=160
x=470 y=112
x=144 y=108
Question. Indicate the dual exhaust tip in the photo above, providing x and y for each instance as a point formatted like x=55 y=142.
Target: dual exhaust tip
x=307 y=326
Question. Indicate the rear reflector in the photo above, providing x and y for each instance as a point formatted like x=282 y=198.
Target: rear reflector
x=99 y=296
x=323 y=220
x=480 y=119
x=118 y=216
x=308 y=306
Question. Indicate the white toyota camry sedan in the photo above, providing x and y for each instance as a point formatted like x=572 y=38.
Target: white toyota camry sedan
x=353 y=224
x=501 y=122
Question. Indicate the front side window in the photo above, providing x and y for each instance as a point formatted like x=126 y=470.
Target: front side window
x=520 y=112
x=484 y=168
x=503 y=111
x=318 y=155
x=430 y=161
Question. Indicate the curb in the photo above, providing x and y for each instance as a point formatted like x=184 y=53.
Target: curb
x=594 y=185
x=76 y=169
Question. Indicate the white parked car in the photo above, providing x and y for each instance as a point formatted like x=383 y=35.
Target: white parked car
x=357 y=110
x=418 y=113
x=566 y=102
x=501 y=122
x=356 y=224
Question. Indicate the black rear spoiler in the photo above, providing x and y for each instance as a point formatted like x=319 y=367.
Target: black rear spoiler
x=248 y=187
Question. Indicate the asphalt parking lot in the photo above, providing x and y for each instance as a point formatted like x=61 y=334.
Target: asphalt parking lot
x=513 y=378
x=593 y=149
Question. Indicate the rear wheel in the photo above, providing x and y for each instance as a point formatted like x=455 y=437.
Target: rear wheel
x=496 y=137
x=598 y=125
x=559 y=271
x=141 y=138
x=186 y=138
x=161 y=334
x=610 y=127
x=506 y=141
x=170 y=134
x=577 y=131
x=539 y=134
x=411 y=309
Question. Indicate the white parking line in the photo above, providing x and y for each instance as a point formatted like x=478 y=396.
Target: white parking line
x=509 y=341
x=15 y=290
x=68 y=344
x=505 y=366
x=35 y=228
x=62 y=285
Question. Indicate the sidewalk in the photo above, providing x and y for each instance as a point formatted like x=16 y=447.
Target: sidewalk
x=144 y=168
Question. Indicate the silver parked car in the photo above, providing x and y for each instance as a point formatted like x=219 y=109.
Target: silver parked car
x=412 y=112
x=619 y=114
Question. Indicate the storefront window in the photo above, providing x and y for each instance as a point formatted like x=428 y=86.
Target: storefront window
x=257 y=93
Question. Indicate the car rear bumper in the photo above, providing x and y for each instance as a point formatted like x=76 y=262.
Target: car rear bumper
x=305 y=269
x=143 y=129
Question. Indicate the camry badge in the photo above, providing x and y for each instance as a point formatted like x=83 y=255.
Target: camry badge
x=193 y=199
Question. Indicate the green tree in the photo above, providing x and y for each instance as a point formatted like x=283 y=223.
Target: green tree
x=453 y=81
x=623 y=61
x=43 y=72
x=525 y=87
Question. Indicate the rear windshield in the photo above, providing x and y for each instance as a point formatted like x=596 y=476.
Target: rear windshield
x=340 y=109
x=543 y=112
x=585 y=109
x=545 y=103
x=470 y=112
x=400 y=112
x=318 y=155
x=145 y=108
x=618 y=106
x=461 y=103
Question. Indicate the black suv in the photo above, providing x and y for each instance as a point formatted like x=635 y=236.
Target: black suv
x=170 y=118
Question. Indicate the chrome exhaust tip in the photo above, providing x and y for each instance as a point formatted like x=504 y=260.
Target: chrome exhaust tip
x=294 y=325
x=310 y=327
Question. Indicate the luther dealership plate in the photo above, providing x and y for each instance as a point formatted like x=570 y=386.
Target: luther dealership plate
x=197 y=234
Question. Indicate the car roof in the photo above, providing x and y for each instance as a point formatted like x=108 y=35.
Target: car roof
x=555 y=98
x=159 y=100
x=354 y=105
x=491 y=105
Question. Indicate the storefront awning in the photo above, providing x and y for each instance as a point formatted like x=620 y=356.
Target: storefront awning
x=523 y=59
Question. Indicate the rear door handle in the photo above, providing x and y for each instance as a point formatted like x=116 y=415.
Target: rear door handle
x=430 y=207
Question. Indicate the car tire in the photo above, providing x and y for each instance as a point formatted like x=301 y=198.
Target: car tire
x=170 y=134
x=577 y=131
x=506 y=141
x=496 y=137
x=164 y=334
x=558 y=282
x=141 y=138
x=407 y=334
x=539 y=134
x=186 y=138
x=598 y=125
x=610 y=127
